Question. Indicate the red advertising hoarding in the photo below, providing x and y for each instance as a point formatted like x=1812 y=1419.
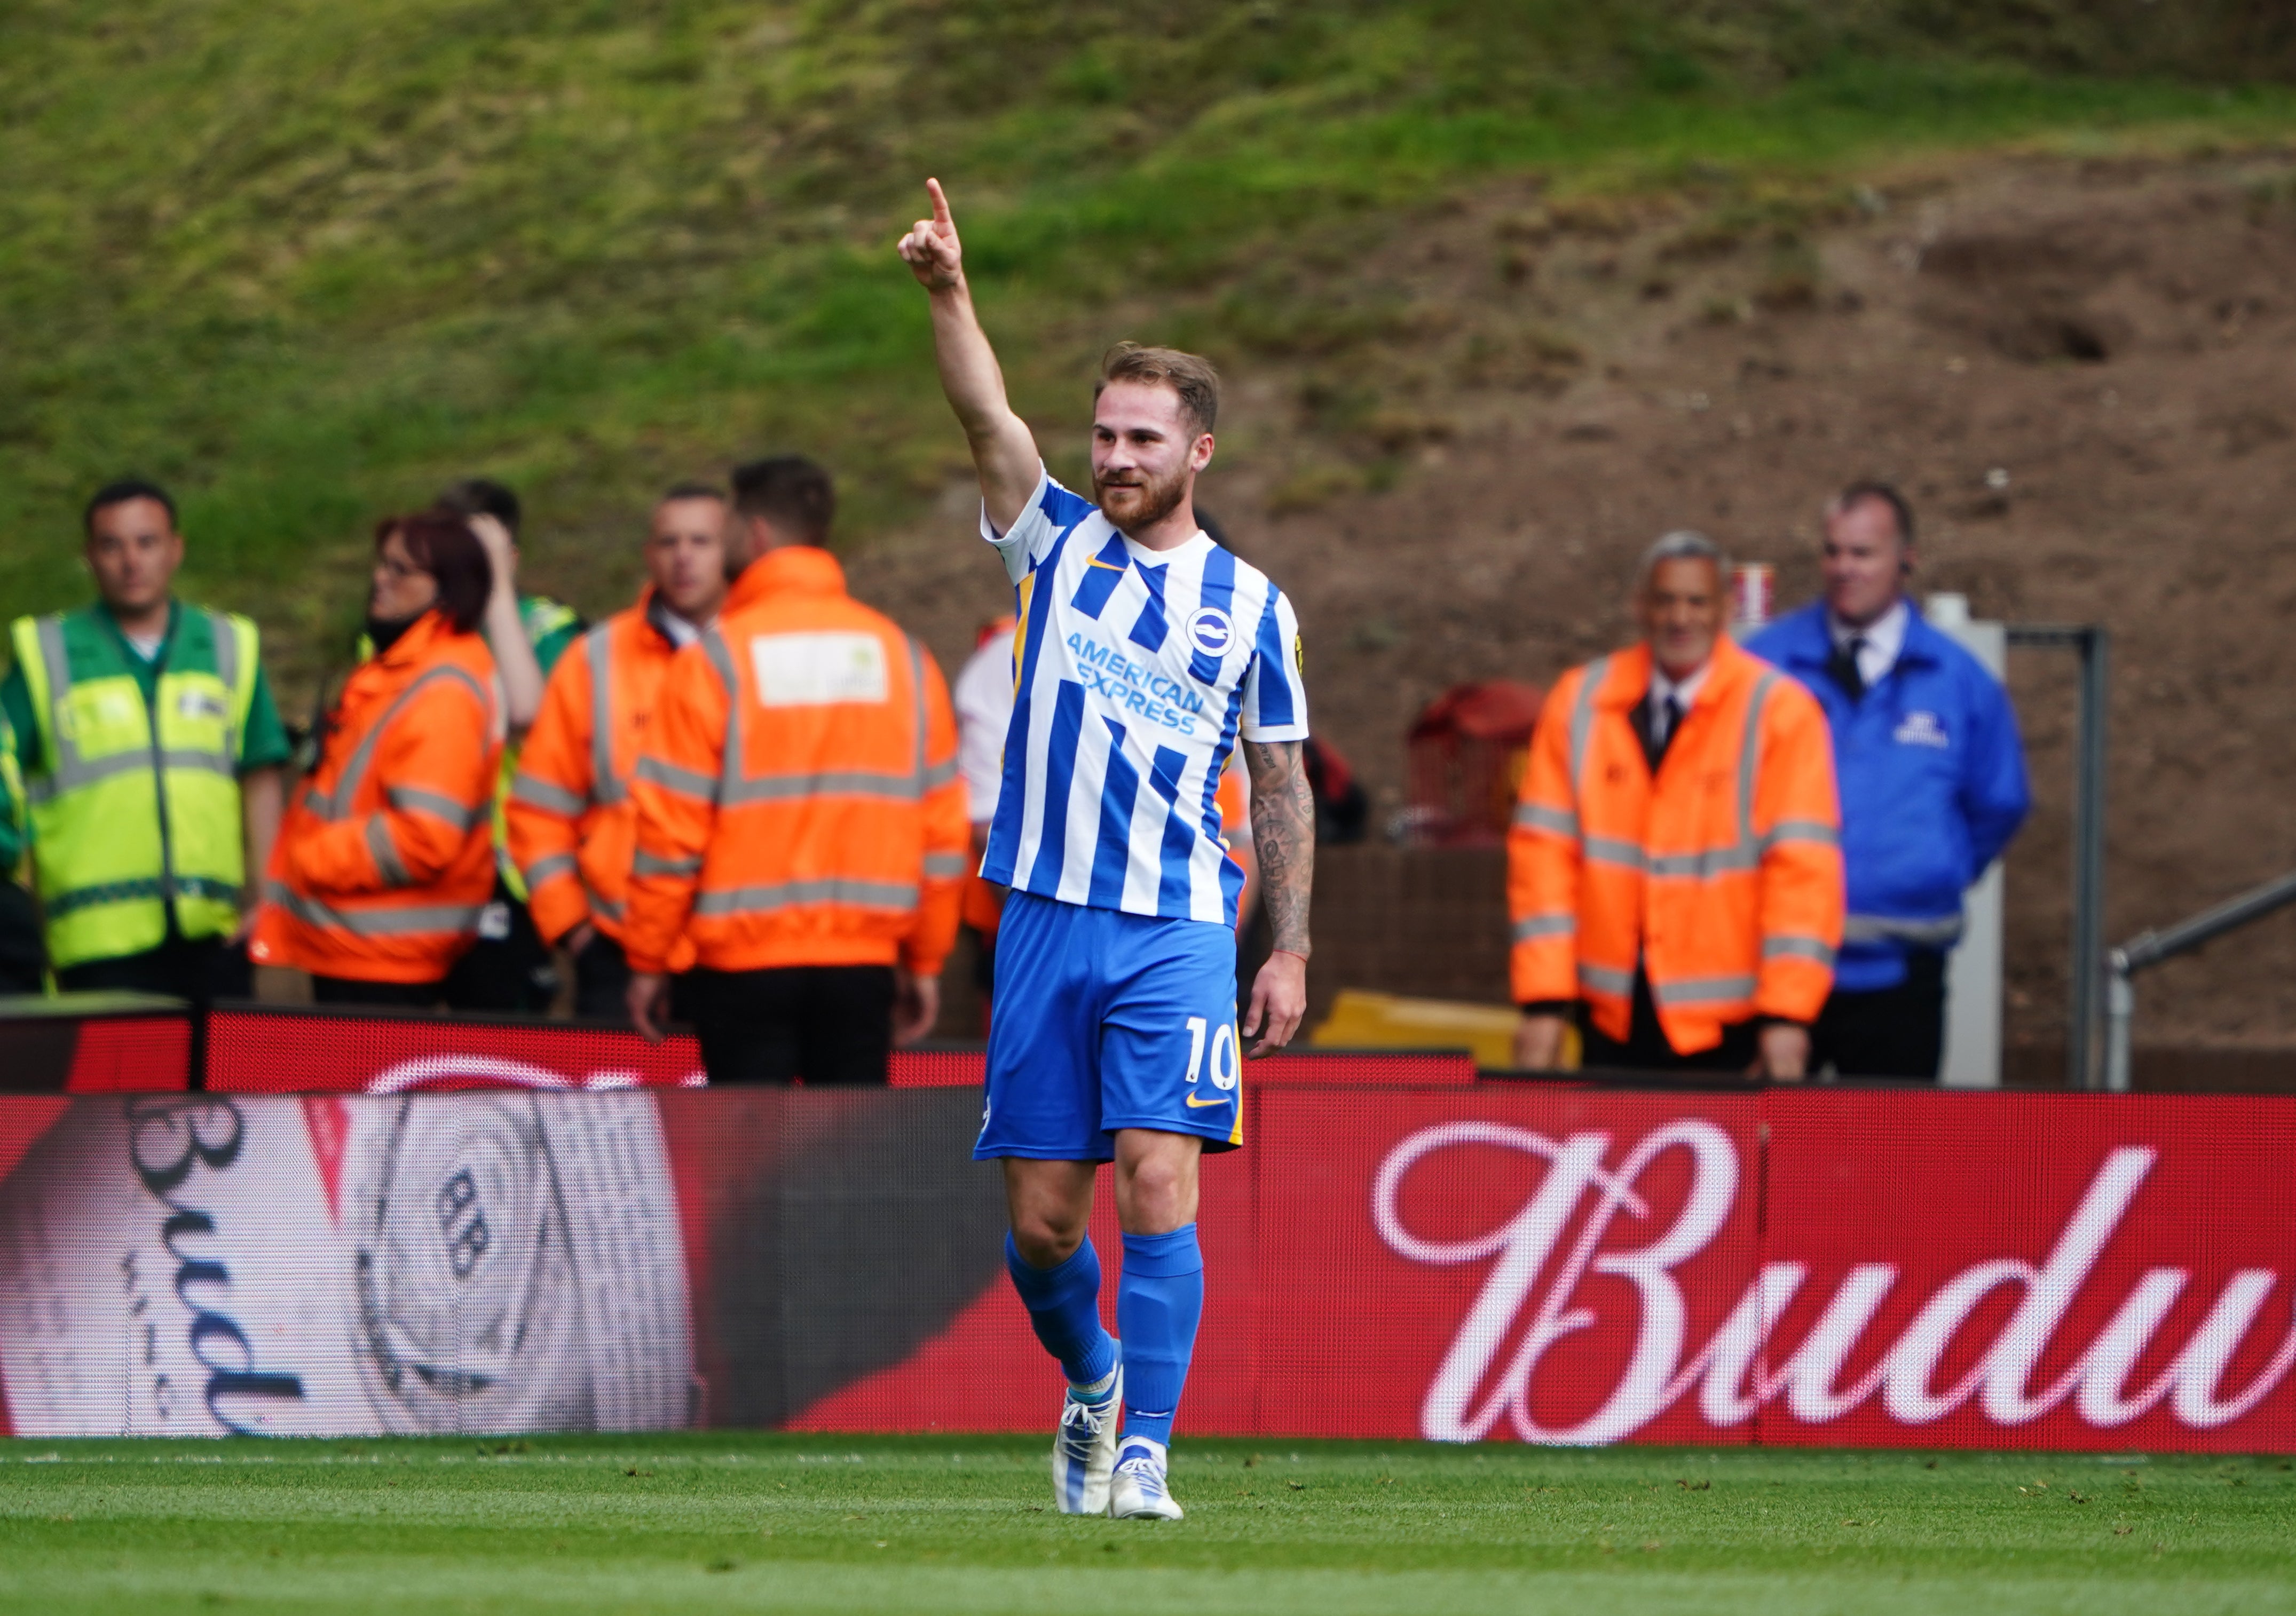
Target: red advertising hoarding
x=1386 y=1258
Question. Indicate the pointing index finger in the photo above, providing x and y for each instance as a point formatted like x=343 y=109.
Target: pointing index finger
x=940 y=204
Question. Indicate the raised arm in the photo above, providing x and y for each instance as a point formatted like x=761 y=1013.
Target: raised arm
x=1284 y=833
x=1004 y=449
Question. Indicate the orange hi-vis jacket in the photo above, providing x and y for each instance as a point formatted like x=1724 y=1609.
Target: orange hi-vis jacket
x=1722 y=878
x=386 y=855
x=798 y=799
x=573 y=824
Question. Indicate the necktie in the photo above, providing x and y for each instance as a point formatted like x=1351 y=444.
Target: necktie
x=1842 y=667
x=1663 y=722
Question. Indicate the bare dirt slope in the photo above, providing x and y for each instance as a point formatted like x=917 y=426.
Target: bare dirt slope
x=2082 y=371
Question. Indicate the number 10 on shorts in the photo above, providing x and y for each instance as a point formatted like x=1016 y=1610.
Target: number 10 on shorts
x=1223 y=1072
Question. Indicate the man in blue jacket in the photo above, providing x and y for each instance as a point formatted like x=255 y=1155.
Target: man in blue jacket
x=1932 y=775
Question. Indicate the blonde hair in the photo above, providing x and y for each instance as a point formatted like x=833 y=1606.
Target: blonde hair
x=1189 y=375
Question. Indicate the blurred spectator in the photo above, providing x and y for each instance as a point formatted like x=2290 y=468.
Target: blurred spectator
x=150 y=749
x=983 y=698
x=1343 y=810
x=23 y=959
x=800 y=814
x=572 y=824
x=1674 y=872
x=1933 y=779
x=508 y=968
x=387 y=856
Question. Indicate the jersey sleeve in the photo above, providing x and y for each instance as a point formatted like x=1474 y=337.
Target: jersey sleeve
x=1051 y=512
x=1275 y=693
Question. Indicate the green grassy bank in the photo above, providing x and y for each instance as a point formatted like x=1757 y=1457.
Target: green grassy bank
x=306 y=261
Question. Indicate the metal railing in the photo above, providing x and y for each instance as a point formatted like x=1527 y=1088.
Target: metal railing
x=2090 y=641
x=2150 y=948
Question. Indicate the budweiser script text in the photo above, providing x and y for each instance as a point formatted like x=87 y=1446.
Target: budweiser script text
x=1542 y=1255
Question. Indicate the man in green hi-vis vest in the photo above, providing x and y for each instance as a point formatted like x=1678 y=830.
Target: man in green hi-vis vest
x=22 y=956
x=150 y=751
x=509 y=968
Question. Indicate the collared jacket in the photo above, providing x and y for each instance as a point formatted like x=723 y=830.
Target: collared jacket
x=573 y=826
x=1721 y=878
x=1932 y=781
x=798 y=796
x=386 y=854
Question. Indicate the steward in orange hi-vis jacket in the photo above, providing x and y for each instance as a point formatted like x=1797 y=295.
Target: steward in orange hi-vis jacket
x=573 y=824
x=800 y=815
x=573 y=827
x=1674 y=866
x=386 y=855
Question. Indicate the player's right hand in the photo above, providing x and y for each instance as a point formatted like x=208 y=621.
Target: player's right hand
x=931 y=250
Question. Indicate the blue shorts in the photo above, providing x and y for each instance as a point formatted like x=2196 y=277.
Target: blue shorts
x=1103 y=1020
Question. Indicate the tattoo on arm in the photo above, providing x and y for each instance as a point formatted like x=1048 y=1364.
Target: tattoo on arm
x=1283 y=830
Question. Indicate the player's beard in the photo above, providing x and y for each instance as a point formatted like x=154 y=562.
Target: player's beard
x=1145 y=501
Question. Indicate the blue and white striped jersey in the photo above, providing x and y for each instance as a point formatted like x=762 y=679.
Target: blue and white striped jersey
x=1136 y=671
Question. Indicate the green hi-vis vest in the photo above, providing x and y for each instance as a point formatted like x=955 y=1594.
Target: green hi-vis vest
x=541 y=617
x=137 y=807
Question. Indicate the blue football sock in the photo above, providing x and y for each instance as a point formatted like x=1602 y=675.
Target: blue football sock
x=1158 y=1303
x=1063 y=1304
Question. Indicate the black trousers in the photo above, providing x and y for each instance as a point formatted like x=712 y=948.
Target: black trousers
x=509 y=972
x=601 y=984
x=1645 y=1048
x=1895 y=1032
x=23 y=952
x=201 y=969
x=826 y=1024
x=387 y=995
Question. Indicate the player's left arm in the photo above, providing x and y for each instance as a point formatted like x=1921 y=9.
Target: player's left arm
x=1284 y=833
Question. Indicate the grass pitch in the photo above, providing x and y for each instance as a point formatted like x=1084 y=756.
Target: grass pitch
x=807 y=1523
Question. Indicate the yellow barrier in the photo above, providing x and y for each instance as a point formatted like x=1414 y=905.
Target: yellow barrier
x=1385 y=1021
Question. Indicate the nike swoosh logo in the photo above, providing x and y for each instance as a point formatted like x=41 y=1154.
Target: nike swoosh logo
x=1110 y=565
x=1199 y=1104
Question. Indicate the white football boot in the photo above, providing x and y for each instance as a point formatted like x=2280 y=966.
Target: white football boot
x=1084 y=1448
x=1137 y=1492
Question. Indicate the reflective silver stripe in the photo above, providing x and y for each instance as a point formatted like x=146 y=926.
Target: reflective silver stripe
x=1582 y=721
x=611 y=908
x=1699 y=866
x=541 y=794
x=438 y=804
x=947 y=865
x=1609 y=850
x=917 y=770
x=1802 y=830
x=764 y=900
x=379 y=922
x=73 y=772
x=387 y=863
x=606 y=787
x=1546 y=926
x=729 y=766
x=788 y=787
x=1749 y=758
x=1798 y=948
x=1704 y=990
x=940 y=775
x=670 y=777
x=1538 y=816
x=643 y=863
x=1603 y=979
x=1940 y=933
x=550 y=867
x=337 y=804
